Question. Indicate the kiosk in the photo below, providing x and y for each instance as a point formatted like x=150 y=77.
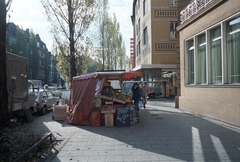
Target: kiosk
x=93 y=101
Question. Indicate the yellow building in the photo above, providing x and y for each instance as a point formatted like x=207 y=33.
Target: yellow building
x=209 y=36
x=155 y=41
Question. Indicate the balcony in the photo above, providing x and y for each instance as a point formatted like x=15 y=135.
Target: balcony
x=193 y=8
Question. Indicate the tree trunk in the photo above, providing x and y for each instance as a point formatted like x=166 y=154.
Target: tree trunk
x=3 y=75
x=72 y=41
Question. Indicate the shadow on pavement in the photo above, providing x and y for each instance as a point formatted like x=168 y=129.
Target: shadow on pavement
x=163 y=133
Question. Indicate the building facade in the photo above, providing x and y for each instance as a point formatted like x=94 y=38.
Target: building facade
x=210 y=59
x=41 y=63
x=156 y=42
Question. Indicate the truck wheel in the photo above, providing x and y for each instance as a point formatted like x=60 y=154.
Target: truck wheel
x=43 y=110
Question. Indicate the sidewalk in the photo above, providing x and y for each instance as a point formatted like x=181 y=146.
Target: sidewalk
x=163 y=134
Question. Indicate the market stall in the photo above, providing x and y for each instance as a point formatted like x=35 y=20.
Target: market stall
x=93 y=101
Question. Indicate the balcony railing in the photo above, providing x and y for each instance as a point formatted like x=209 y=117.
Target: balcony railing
x=193 y=8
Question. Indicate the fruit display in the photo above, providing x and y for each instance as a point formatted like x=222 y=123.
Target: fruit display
x=116 y=95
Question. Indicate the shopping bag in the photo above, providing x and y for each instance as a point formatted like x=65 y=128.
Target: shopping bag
x=140 y=105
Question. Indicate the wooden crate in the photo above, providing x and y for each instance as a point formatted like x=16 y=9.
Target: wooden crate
x=109 y=120
x=59 y=112
x=108 y=102
x=108 y=110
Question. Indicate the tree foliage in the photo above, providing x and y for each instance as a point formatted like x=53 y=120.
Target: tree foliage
x=70 y=20
x=111 y=52
x=78 y=50
x=63 y=64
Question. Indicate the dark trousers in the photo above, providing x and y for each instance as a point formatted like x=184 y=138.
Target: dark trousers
x=136 y=105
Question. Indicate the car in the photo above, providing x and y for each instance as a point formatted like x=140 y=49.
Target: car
x=45 y=100
x=154 y=87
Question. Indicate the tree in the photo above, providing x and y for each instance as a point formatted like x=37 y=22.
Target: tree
x=102 y=21
x=111 y=52
x=70 y=19
x=4 y=7
x=63 y=64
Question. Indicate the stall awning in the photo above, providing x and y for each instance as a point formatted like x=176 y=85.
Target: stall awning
x=131 y=75
x=111 y=75
x=85 y=76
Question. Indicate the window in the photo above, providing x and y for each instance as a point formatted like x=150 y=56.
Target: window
x=233 y=50
x=136 y=10
x=173 y=3
x=31 y=73
x=215 y=56
x=190 y=62
x=201 y=60
x=173 y=26
x=139 y=48
x=138 y=25
x=43 y=75
x=39 y=53
x=145 y=36
x=137 y=28
x=144 y=7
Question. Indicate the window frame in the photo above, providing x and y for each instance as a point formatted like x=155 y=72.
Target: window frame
x=223 y=53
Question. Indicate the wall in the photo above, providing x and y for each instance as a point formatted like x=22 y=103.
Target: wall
x=222 y=102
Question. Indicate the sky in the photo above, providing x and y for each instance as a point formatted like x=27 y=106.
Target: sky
x=28 y=14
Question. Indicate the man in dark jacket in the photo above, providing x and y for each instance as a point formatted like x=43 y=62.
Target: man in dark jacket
x=136 y=95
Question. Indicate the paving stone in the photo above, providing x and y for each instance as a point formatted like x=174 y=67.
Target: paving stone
x=163 y=134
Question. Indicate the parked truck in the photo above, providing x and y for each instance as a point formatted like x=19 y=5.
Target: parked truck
x=20 y=100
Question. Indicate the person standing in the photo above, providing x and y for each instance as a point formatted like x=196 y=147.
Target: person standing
x=145 y=92
x=136 y=95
